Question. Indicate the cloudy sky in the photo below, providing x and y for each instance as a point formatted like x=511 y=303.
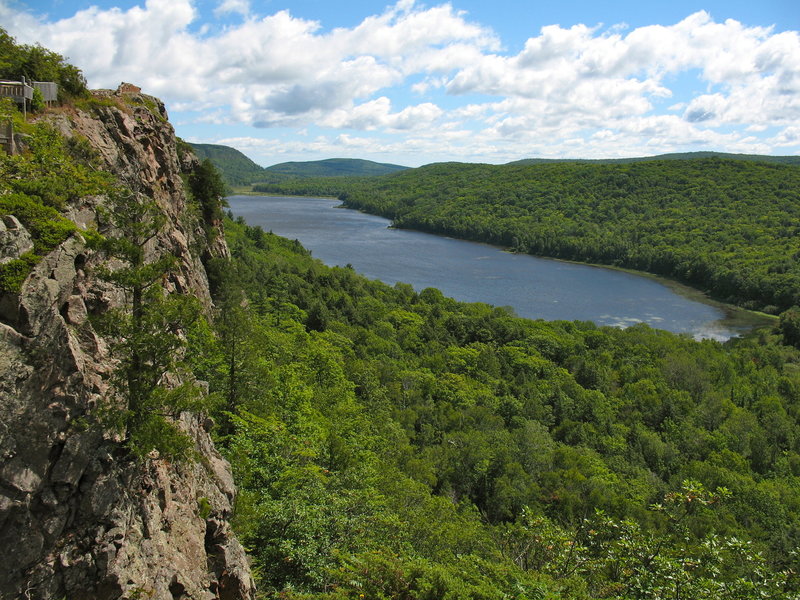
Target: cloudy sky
x=468 y=80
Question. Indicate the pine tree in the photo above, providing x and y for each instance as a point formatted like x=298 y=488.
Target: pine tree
x=148 y=330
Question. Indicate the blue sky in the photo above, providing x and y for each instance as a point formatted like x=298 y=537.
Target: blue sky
x=413 y=83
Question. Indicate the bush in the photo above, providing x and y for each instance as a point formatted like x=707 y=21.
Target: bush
x=47 y=228
x=14 y=273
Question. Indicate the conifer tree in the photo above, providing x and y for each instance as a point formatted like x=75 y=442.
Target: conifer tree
x=148 y=330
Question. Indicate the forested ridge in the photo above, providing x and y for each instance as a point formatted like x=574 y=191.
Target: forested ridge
x=787 y=160
x=235 y=167
x=398 y=444
x=333 y=167
x=729 y=227
x=238 y=170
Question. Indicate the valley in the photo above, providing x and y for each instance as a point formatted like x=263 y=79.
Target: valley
x=195 y=407
x=532 y=287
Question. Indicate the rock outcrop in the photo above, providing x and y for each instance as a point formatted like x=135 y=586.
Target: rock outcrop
x=80 y=518
x=14 y=239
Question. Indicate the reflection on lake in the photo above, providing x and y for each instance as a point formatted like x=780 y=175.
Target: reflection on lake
x=536 y=288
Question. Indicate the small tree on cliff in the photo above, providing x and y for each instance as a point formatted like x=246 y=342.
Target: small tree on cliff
x=208 y=189
x=147 y=330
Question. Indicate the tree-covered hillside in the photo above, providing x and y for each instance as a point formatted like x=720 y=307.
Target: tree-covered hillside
x=398 y=444
x=235 y=167
x=238 y=170
x=729 y=227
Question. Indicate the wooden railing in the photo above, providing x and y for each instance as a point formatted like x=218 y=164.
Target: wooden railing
x=17 y=90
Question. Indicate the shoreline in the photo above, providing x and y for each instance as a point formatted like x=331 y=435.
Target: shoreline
x=238 y=192
x=734 y=317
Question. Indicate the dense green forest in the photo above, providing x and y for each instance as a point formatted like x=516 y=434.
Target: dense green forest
x=728 y=227
x=390 y=443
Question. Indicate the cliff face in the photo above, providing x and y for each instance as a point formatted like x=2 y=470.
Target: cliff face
x=79 y=518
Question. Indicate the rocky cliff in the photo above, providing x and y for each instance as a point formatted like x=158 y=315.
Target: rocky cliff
x=79 y=517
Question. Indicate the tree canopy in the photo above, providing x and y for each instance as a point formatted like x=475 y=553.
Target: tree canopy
x=400 y=444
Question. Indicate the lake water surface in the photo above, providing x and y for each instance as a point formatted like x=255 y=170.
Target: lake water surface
x=537 y=288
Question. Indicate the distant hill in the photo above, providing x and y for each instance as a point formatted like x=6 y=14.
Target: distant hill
x=786 y=160
x=235 y=167
x=335 y=167
x=238 y=170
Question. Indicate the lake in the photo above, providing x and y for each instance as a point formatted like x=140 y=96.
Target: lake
x=536 y=288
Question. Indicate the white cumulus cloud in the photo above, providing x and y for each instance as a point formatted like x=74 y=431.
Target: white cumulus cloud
x=241 y=7
x=570 y=89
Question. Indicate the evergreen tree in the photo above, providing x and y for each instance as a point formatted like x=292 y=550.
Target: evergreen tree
x=148 y=330
x=208 y=189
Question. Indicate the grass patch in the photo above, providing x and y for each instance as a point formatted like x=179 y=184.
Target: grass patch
x=46 y=226
x=94 y=103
